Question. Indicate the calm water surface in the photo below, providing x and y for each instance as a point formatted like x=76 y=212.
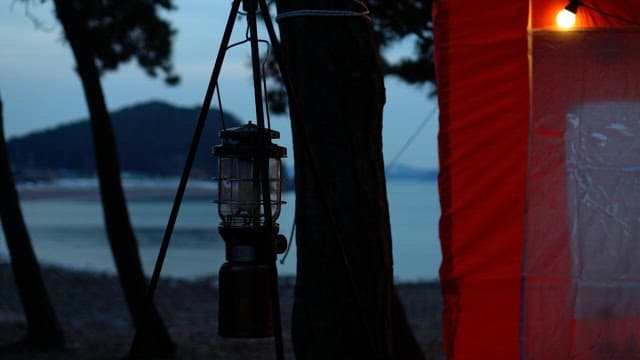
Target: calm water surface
x=70 y=233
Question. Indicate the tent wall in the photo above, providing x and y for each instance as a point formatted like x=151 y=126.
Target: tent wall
x=536 y=264
x=482 y=67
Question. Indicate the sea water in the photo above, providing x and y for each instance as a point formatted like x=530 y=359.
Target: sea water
x=70 y=233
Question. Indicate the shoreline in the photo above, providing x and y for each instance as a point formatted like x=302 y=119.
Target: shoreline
x=97 y=325
x=164 y=191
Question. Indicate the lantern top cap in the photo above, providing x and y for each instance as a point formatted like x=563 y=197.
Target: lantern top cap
x=246 y=131
x=244 y=142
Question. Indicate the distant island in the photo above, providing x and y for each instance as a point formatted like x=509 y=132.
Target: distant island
x=153 y=139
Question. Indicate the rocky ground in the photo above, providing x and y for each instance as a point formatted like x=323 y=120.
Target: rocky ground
x=93 y=313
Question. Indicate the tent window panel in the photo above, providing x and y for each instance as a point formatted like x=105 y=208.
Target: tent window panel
x=603 y=167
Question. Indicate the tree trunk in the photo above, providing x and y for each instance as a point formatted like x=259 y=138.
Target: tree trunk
x=43 y=328
x=344 y=299
x=120 y=233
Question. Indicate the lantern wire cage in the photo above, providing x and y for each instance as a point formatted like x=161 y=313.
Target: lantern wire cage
x=240 y=199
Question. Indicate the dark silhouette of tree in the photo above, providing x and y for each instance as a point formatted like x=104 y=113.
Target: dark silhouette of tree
x=103 y=34
x=43 y=328
x=345 y=304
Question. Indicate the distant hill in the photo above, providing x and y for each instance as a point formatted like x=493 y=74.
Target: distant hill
x=153 y=138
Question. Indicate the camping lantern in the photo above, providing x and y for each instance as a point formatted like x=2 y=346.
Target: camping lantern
x=251 y=238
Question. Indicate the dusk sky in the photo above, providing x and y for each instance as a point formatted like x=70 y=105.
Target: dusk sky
x=40 y=89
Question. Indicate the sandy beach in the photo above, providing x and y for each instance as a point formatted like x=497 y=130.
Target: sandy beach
x=94 y=316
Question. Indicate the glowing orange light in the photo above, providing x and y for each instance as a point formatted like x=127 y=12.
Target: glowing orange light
x=566 y=19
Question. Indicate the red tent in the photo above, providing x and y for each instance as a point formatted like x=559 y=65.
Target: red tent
x=540 y=179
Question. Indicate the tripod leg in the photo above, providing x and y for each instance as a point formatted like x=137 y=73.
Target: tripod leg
x=135 y=346
x=264 y=165
x=263 y=161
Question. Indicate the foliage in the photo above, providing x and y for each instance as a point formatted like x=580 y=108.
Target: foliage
x=121 y=31
x=399 y=20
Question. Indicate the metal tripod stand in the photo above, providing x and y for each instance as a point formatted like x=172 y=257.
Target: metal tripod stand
x=251 y=9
